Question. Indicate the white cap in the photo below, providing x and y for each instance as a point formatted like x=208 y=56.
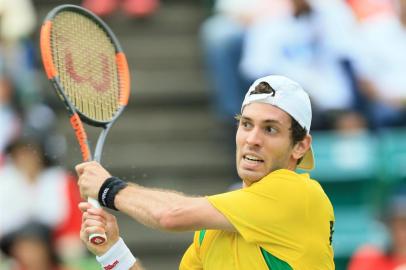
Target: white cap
x=290 y=97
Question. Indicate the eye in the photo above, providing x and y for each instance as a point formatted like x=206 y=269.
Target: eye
x=271 y=130
x=245 y=124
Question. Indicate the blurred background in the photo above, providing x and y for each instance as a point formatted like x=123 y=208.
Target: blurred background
x=191 y=63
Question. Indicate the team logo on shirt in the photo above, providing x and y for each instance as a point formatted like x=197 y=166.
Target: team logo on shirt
x=331 y=232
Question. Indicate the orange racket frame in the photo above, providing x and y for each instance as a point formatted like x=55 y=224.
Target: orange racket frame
x=76 y=117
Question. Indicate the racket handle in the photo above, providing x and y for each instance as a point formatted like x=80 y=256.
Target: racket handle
x=96 y=238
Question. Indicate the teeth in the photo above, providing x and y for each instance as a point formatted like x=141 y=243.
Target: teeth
x=252 y=158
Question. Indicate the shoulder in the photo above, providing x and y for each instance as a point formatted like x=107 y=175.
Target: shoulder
x=282 y=179
x=314 y=187
x=293 y=187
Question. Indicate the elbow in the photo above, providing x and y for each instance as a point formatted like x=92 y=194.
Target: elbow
x=171 y=220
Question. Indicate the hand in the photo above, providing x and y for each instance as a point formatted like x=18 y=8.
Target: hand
x=91 y=177
x=97 y=220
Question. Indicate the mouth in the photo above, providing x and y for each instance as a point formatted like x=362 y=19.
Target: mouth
x=252 y=159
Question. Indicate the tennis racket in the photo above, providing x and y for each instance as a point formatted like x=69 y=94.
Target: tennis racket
x=88 y=69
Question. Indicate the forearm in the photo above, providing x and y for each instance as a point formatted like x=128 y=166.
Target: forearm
x=154 y=208
x=160 y=209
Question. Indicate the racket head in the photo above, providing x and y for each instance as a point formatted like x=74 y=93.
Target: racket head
x=86 y=64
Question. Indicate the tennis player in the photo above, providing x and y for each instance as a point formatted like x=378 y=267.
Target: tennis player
x=280 y=219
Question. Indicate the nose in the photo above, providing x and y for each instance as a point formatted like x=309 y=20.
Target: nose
x=254 y=137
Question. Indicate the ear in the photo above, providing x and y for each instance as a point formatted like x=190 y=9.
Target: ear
x=300 y=148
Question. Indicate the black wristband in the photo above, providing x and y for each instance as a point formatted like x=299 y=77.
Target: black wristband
x=109 y=190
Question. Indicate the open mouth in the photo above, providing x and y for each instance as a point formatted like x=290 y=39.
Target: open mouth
x=252 y=158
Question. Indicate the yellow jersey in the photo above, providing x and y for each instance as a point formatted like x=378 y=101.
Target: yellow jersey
x=284 y=221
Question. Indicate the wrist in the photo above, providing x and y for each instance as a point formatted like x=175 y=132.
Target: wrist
x=118 y=257
x=108 y=191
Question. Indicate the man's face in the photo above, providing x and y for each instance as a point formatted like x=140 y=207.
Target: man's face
x=402 y=10
x=300 y=6
x=263 y=141
x=31 y=252
x=398 y=230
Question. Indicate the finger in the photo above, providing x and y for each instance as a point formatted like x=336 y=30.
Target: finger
x=93 y=230
x=81 y=167
x=97 y=212
x=94 y=223
x=84 y=206
x=86 y=216
x=83 y=235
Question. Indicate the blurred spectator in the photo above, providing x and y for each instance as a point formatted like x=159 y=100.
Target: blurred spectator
x=350 y=122
x=394 y=257
x=17 y=54
x=30 y=247
x=34 y=190
x=17 y=19
x=311 y=44
x=9 y=121
x=380 y=65
x=132 y=8
x=222 y=37
x=365 y=9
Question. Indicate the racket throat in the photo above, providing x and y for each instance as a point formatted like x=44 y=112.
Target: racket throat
x=100 y=142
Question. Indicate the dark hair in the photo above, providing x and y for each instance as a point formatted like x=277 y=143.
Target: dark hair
x=298 y=133
x=34 y=143
x=31 y=230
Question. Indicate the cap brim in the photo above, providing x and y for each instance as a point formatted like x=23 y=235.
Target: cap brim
x=307 y=162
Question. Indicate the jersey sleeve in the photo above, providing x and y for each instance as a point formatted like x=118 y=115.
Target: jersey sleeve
x=191 y=259
x=271 y=213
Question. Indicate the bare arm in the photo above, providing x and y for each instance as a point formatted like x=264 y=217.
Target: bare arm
x=170 y=210
x=160 y=209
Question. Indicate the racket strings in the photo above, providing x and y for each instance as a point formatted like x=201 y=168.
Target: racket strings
x=84 y=57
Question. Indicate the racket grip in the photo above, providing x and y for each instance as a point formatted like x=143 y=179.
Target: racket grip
x=96 y=238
